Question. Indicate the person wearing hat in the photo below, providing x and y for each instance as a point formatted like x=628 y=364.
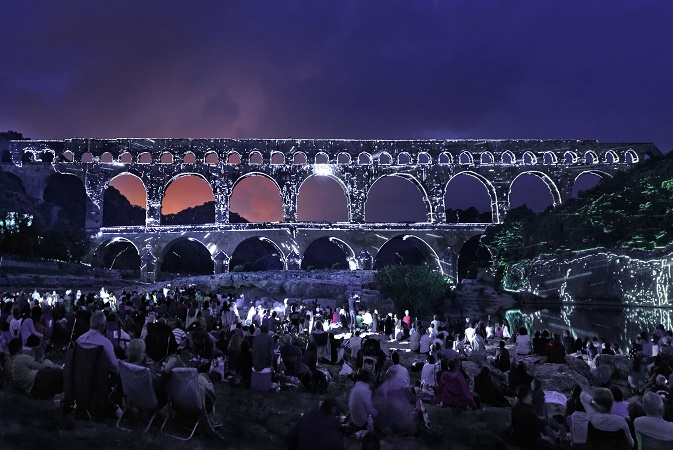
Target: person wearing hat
x=599 y=407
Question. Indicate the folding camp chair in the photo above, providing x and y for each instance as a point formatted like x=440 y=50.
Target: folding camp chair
x=138 y=390
x=646 y=442
x=184 y=400
x=86 y=382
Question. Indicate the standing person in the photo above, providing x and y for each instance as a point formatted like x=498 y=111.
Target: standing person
x=389 y=326
x=407 y=319
x=262 y=349
x=352 y=311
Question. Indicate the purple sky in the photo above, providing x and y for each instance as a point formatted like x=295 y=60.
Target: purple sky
x=348 y=69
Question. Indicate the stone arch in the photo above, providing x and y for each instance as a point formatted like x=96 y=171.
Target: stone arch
x=327 y=201
x=255 y=158
x=320 y=254
x=401 y=252
x=549 y=158
x=404 y=158
x=277 y=158
x=385 y=159
x=117 y=253
x=185 y=256
x=631 y=157
x=87 y=157
x=466 y=157
x=273 y=210
x=234 y=158
x=343 y=158
x=487 y=158
x=490 y=191
x=473 y=256
x=321 y=158
x=299 y=158
x=125 y=212
x=570 y=157
x=106 y=158
x=145 y=158
x=445 y=158
x=171 y=206
x=424 y=158
x=508 y=157
x=262 y=254
x=551 y=185
x=611 y=157
x=414 y=181
x=211 y=158
x=126 y=158
x=68 y=192
x=68 y=156
x=364 y=159
x=166 y=158
x=579 y=185
x=14 y=181
x=189 y=158
x=590 y=157
x=529 y=158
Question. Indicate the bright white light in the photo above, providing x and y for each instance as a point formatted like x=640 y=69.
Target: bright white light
x=322 y=170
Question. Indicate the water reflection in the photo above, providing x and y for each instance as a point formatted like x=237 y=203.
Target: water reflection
x=618 y=324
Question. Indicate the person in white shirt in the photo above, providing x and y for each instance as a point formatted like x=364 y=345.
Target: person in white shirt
x=523 y=342
x=429 y=373
x=653 y=425
x=598 y=410
x=425 y=343
x=360 y=402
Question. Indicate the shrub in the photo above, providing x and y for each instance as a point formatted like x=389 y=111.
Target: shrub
x=239 y=268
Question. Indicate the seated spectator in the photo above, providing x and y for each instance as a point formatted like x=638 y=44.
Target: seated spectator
x=310 y=358
x=319 y=425
x=360 y=402
x=502 y=360
x=244 y=364
x=95 y=338
x=523 y=346
x=518 y=376
x=556 y=351
x=262 y=349
x=429 y=373
x=41 y=380
x=489 y=392
x=399 y=372
x=452 y=388
x=577 y=423
x=653 y=425
x=619 y=405
x=415 y=341
x=599 y=410
x=426 y=340
x=355 y=343
x=527 y=426
x=29 y=335
x=322 y=341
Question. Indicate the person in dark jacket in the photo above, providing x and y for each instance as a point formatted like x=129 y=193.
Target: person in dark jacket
x=527 y=427
x=317 y=429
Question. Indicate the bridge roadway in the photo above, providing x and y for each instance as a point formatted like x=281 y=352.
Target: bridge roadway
x=439 y=243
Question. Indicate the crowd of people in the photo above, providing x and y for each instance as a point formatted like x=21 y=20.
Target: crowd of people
x=230 y=338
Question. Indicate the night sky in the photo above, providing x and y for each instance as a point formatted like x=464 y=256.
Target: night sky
x=349 y=69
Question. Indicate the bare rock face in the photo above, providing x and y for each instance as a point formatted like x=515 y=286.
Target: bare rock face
x=559 y=377
x=611 y=368
x=579 y=365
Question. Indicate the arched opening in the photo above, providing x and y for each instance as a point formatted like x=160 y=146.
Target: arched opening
x=465 y=158
x=549 y=158
x=611 y=157
x=467 y=200
x=394 y=199
x=106 y=157
x=27 y=157
x=584 y=182
x=188 y=200
x=118 y=254
x=529 y=158
x=234 y=158
x=212 y=159
x=145 y=158
x=68 y=156
x=166 y=158
x=87 y=157
x=486 y=158
x=299 y=158
x=508 y=157
x=630 y=157
x=473 y=257
x=189 y=158
x=124 y=201
x=321 y=199
x=65 y=199
x=529 y=189
x=445 y=158
x=404 y=251
x=256 y=254
x=343 y=158
x=256 y=158
x=424 y=158
x=126 y=158
x=569 y=158
x=364 y=159
x=385 y=159
x=328 y=253
x=186 y=257
x=403 y=158
x=277 y=158
x=257 y=199
x=590 y=157
x=321 y=158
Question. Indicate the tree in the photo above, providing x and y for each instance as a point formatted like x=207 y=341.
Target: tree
x=418 y=288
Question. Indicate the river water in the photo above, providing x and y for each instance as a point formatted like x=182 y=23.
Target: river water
x=620 y=325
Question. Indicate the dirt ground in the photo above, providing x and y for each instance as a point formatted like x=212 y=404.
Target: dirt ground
x=252 y=420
